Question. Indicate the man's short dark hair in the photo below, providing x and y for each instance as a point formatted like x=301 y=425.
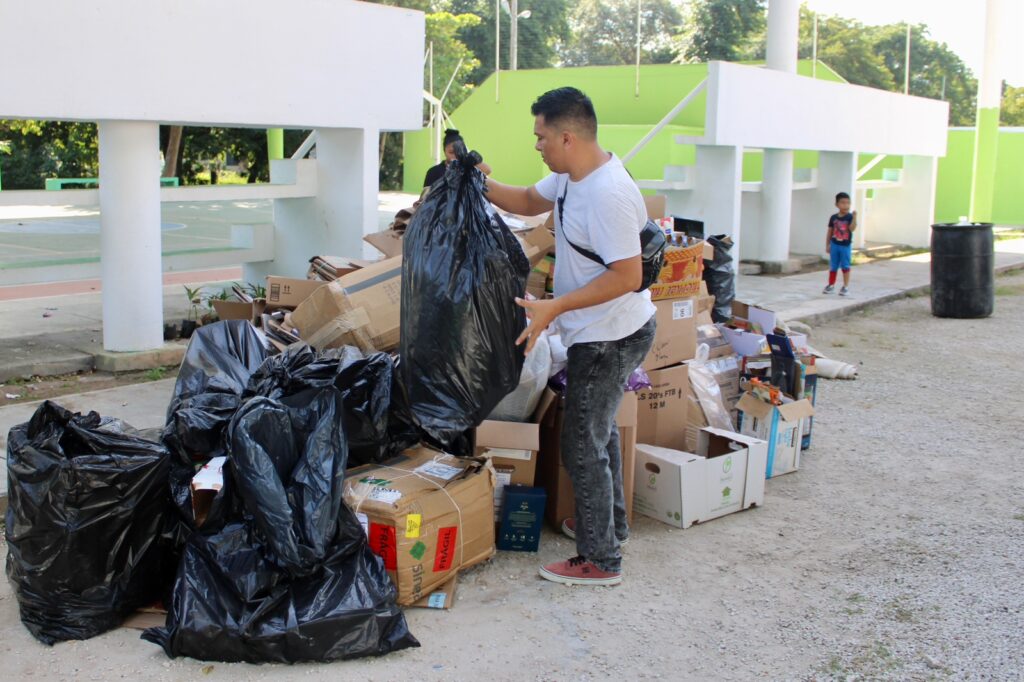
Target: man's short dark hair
x=842 y=195
x=567 y=106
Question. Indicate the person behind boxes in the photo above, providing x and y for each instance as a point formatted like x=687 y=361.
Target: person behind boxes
x=435 y=173
x=606 y=323
x=838 y=243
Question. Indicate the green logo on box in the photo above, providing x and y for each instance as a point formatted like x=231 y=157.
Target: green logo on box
x=418 y=550
x=726 y=492
x=727 y=464
x=375 y=481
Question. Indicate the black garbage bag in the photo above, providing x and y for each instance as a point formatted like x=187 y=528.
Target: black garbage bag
x=87 y=522
x=213 y=375
x=208 y=392
x=292 y=577
x=462 y=269
x=366 y=385
x=720 y=276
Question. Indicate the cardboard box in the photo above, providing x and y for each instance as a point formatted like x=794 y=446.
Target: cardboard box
x=388 y=242
x=427 y=515
x=680 y=277
x=724 y=476
x=554 y=478
x=780 y=425
x=441 y=598
x=361 y=309
x=656 y=205
x=726 y=370
x=522 y=516
x=663 y=409
x=512 y=448
x=237 y=310
x=675 y=339
x=289 y=292
x=537 y=244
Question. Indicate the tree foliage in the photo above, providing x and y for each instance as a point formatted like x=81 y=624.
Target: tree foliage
x=1013 y=107
x=604 y=32
x=36 y=150
x=720 y=29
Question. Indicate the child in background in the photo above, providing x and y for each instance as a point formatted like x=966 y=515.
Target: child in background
x=838 y=243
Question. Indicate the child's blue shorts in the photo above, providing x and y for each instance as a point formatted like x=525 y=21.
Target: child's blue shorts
x=840 y=256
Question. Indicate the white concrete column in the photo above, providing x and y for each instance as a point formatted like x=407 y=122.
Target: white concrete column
x=344 y=209
x=783 y=35
x=777 y=189
x=837 y=172
x=715 y=199
x=129 y=154
x=904 y=214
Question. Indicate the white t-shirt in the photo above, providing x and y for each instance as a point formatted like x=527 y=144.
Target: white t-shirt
x=604 y=213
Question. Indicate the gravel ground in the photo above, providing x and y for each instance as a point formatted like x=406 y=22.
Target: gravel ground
x=894 y=553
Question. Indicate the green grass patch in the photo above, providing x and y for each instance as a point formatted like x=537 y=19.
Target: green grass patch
x=155 y=374
x=1010 y=289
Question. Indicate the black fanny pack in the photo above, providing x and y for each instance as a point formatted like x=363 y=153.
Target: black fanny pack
x=652 y=247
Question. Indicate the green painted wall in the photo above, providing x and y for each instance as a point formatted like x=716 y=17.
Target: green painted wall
x=953 y=187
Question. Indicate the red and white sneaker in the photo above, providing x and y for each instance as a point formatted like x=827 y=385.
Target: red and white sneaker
x=578 y=571
x=569 y=530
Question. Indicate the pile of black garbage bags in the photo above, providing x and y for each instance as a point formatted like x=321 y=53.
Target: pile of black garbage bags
x=100 y=519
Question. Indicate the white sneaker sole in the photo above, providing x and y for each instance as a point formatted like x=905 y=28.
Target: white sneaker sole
x=571 y=534
x=563 y=580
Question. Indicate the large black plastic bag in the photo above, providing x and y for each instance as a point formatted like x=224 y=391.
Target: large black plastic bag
x=461 y=271
x=720 y=276
x=214 y=373
x=372 y=416
x=290 y=577
x=87 y=516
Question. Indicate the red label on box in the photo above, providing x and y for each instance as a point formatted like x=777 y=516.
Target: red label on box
x=384 y=545
x=445 y=554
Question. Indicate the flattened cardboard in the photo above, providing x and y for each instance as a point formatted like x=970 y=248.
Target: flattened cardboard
x=675 y=339
x=780 y=425
x=679 y=488
x=388 y=242
x=327 y=319
x=289 y=292
x=427 y=514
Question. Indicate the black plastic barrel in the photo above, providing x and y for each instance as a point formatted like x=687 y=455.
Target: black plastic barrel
x=963 y=270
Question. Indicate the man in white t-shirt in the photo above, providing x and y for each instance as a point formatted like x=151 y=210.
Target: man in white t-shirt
x=607 y=325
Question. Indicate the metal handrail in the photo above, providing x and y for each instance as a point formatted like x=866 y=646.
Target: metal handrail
x=683 y=103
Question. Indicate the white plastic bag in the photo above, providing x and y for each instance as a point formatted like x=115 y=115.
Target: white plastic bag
x=520 y=404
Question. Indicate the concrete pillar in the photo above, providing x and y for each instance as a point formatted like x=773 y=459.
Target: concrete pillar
x=987 y=135
x=904 y=214
x=715 y=198
x=837 y=172
x=777 y=189
x=344 y=209
x=129 y=155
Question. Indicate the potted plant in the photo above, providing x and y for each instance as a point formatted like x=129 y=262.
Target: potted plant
x=170 y=331
x=212 y=314
x=189 y=324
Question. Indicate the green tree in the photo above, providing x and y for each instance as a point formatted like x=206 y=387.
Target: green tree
x=719 y=29
x=604 y=32
x=935 y=70
x=47 y=149
x=1013 y=107
x=539 y=35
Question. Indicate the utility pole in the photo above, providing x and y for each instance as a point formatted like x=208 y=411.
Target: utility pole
x=514 y=37
x=636 y=92
x=906 y=66
x=986 y=136
x=497 y=50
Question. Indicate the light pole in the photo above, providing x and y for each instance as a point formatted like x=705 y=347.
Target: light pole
x=516 y=15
